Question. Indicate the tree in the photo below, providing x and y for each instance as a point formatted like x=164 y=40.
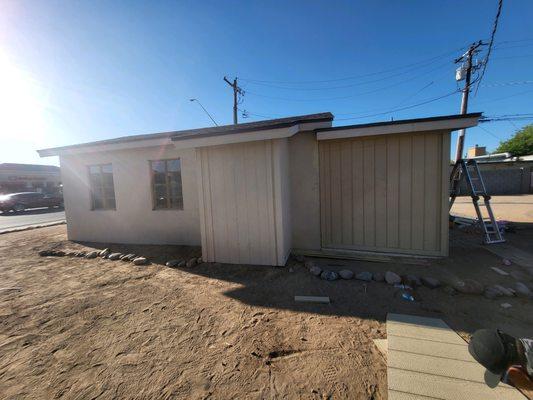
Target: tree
x=520 y=144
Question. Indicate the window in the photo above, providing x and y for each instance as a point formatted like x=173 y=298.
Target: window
x=102 y=187
x=166 y=184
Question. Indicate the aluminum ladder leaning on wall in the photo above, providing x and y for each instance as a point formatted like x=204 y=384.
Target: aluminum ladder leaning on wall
x=469 y=170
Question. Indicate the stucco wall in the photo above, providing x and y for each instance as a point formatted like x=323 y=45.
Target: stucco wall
x=304 y=191
x=134 y=220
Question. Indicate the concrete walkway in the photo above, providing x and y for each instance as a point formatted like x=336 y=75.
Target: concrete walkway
x=428 y=360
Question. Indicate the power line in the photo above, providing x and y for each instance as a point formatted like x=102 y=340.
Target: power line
x=493 y=34
x=489 y=132
x=348 y=96
x=355 y=76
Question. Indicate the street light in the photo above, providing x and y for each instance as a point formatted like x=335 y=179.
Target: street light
x=203 y=108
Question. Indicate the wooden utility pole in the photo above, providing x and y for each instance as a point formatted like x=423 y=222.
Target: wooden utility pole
x=466 y=91
x=236 y=91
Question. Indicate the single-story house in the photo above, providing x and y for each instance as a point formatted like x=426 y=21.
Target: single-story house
x=251 y=193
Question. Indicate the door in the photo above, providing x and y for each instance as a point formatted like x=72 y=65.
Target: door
x=385 y=193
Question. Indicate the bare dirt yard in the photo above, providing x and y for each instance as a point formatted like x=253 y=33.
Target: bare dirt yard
x=510 y=208
x=79 y=328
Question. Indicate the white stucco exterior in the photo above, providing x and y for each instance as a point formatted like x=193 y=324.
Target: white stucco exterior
x=134 y=220
x=254 y=196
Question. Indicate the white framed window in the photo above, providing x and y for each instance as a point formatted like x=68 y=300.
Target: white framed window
x=166 y=184
x=102 y=187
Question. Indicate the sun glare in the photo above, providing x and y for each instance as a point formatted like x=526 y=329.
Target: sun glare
x=21 y=104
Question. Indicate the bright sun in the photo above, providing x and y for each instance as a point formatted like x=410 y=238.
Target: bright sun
x=21 y=105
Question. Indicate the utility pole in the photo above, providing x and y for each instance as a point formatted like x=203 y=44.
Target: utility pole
x=466 y=91
x=236 y=91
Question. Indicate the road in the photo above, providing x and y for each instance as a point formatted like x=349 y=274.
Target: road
x=36 y=216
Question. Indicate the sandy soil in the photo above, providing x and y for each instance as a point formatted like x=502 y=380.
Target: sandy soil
x=509 y=208
x=87 y=329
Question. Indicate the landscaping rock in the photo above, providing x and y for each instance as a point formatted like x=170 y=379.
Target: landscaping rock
x=191 y=263
x=199 y=261
x=114 y=256
x=309 y=264
x=522 y=290
x=450 y=290
x=316 y=271
x=491 y=292
x=104 y=253
x=506 y=262
x=411 y=280
x=299 y=258
x=182 y=264
x=140 y=261
x=392 y=278
x=468 y=286
x=378 y=276
x=504 y=291
x=44 y=253
x=91 y=254
x=173 y=263
x=430 y=282
x=80 y=254
x=329 y=275
x=346 y=274
x=364 y=276
x=128 y=257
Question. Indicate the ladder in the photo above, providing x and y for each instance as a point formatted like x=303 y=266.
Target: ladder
x=469 y=170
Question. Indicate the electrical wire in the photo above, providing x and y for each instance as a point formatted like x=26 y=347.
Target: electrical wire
x=489 y=132
x=493 y=34
x=355 y=76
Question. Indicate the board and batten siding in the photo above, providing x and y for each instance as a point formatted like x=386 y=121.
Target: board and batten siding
x=386 y=193
x=244 y=202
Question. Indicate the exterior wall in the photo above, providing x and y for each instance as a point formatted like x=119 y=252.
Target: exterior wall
x=504 y=178
x=386 y=193
x=243 y=198
x=305 y=191
x=134 y=220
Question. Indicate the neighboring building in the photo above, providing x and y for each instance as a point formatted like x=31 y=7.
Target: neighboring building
x=476 y=151
x=29 y=178
x=251 y=193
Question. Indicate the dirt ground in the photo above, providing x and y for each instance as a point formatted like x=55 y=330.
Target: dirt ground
x=509 y=208
x=75 y=328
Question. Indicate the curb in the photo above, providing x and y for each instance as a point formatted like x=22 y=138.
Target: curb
x=27 y=228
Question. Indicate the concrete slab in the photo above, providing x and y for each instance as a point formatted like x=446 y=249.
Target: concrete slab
x=428 y=360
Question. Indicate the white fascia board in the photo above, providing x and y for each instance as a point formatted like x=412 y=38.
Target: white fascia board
x=106 y=147
x=409 y=127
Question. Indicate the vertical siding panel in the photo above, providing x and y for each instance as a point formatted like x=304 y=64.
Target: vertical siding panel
x=272 y=250
x=252 y=217
x=357 y=193
x=444 y=194
x=336 y=205
x=323 y=192
x=405 y=183
x=393 y=172
x=380 y=168
x=432 y=189
x=230 y=203
x=418 y=192
x=327 y=183
x=368 y=193
x=346 y=193
x=241 y=220
x=219 y=224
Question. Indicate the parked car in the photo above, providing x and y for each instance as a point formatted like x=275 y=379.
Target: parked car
x=21 y=201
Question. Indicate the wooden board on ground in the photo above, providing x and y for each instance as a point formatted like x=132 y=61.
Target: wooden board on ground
x=428 y=360
x=312 y=299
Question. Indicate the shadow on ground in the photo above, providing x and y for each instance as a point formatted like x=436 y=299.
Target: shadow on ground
x=275 y=287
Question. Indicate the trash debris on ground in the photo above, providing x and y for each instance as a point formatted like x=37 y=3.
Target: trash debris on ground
x=408 y=296
x=506 y=261
x=505 y=305
x=499 y=271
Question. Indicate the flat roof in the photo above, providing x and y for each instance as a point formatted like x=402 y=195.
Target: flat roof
x=201 y=132
x=445 y=122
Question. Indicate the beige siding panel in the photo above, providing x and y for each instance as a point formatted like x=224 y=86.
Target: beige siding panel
x=418 y=191
x=393 y=192
x=369 y=205
x=385 y=193
x=244 y=191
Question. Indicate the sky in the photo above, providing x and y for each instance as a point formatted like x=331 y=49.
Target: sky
x=80 y=71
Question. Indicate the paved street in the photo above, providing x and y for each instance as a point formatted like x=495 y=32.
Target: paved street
x=34 y=216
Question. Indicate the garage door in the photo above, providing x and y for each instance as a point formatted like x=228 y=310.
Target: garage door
x=385 y=193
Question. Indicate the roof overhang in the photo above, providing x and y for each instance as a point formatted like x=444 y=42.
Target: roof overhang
x=442 y=123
